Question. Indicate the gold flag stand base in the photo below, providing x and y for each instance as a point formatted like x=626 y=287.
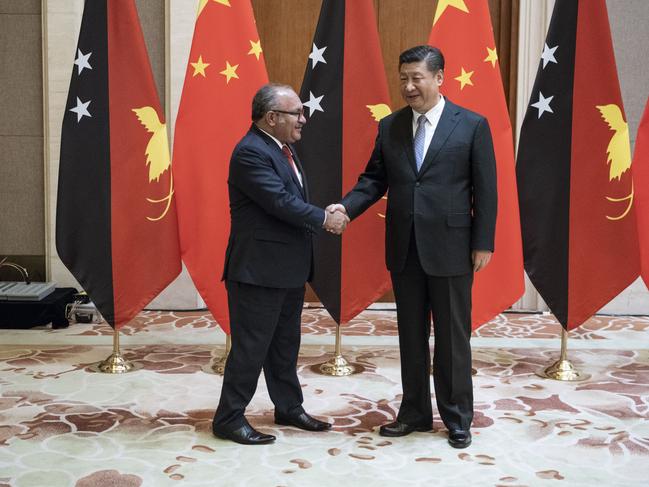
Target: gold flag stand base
x=115 y=363
x=338 y=366
x=217 y=366
x=563 y=369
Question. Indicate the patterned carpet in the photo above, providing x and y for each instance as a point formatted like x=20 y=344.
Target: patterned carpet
x=61 y=425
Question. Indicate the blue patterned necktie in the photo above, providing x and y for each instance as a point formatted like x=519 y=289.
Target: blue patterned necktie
x=420 y=138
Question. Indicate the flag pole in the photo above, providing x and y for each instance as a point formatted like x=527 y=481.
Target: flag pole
x=217 y=366
x=338 y=366
x=115 y=363
x=563 y=369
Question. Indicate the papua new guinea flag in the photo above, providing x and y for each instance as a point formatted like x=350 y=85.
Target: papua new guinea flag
x=116 y=227
x=575 y=186
x=345 y=94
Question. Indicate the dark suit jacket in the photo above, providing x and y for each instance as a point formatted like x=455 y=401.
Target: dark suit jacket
x=272 y=222
x=451 y=202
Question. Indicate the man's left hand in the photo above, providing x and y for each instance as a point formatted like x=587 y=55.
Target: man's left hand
x=480 y=259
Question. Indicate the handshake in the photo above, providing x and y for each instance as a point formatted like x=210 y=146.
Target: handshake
x=336 y=218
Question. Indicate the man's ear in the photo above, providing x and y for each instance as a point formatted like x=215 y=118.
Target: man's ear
x=440 y=77
x=271 y=118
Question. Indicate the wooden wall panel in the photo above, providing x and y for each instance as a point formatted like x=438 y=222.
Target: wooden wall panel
x=286 y=31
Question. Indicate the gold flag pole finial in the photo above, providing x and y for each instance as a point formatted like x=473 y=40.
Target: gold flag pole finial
x=115 y=363
x=563 y=369
x=337 y=366
x=217 y=366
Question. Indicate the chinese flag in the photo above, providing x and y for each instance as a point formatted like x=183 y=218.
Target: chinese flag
x=225 y=69
x=641 y=179
x=462 y=30
x=116 y=226
x=345 y=94
x=574 y=169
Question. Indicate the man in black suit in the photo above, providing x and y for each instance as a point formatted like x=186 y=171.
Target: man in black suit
x=267 y=262
x=436 y=161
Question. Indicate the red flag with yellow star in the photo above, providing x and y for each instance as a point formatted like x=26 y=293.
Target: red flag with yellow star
x=640 y=179
x=225 y=69
x=462 y=30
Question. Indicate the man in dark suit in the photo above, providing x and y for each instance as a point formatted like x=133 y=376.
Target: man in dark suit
x=436 y=161
x=268 y=260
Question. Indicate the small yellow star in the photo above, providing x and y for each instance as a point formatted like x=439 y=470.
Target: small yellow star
x=202 y=3
x=230 y=72
x=492 y=57
x=199 y=67
x=442 y=5
x=255 y=49
x=465 y=79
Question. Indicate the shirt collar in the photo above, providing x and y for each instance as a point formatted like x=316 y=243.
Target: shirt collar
x=275 y=138
x=431 y=114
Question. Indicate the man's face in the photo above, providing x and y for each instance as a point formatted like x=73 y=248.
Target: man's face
x=287 y=127
x=419 y=87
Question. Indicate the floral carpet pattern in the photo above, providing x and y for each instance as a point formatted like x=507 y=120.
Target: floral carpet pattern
x=63 y=425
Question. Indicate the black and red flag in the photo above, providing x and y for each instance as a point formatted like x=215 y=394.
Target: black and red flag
x=116 y=226
x=345 y=94
x=641 y=185
x=574 y=169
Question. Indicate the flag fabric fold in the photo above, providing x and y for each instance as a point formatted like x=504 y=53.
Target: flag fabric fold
x=116 y=223
x=225 y=69
x=345 y=94
x=641 y=186
x=574 y=169
x=473 y=80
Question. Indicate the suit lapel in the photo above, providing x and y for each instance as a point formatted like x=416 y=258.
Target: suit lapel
x=273 y=147
x=447 y=123
x=404 y=126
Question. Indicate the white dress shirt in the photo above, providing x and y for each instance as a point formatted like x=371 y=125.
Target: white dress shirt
x=432 y=119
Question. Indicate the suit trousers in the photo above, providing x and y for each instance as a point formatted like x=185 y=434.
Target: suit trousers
x=449 y=299
x=265 y=333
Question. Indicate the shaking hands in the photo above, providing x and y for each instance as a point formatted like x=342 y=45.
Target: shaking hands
x=336 y=218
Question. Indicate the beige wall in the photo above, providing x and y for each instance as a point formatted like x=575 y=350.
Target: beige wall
x=22 y=235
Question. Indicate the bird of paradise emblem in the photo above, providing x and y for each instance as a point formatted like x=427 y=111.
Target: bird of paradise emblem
x=618 y=153
x=157 y=154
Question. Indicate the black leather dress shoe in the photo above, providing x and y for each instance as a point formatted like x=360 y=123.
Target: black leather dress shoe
x=303 y=421
x=459 y=438
x=246 y=435
x=397 y=428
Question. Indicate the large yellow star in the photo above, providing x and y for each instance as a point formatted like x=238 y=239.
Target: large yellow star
x=230 y=72
x=492 y=57
x=199 y=67
x=442 y=5
x=202 y=3
x=465 y=79
x=255 y=49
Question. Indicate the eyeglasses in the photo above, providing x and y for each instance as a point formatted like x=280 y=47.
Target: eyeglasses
x=298 y=113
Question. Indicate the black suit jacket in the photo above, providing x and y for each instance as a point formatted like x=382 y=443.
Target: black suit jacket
x=451 y=201
x=272 y=222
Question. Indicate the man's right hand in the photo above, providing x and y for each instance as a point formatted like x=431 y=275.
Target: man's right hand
x=336 y=220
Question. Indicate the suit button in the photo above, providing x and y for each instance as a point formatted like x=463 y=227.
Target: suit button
x=417 y=184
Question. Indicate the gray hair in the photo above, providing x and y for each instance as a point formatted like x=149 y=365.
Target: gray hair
x=265 y=99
